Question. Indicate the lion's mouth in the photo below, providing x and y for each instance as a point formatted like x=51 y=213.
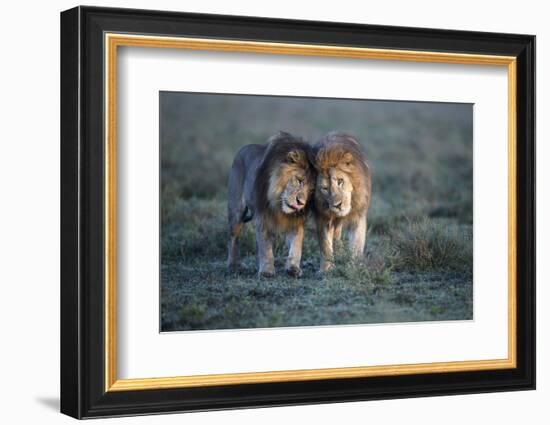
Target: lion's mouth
x=340 y=212
x=293 y=207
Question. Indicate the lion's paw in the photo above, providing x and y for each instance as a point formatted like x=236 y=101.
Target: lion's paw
x=327 y=266
x=293 y=271
x=233 y=268
x=325 y=269
x=266 y=273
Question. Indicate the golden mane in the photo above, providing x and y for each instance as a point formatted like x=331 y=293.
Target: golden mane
x=342 y=151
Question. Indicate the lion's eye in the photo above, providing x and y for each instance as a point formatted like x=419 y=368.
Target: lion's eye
x=300 y=181
x=324 y=188
x=340 y=182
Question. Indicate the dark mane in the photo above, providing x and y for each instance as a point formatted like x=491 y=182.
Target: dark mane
x=279 y=146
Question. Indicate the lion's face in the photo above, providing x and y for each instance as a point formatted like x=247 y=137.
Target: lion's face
x=333 y=190
x=295 y=194
x=290 y=185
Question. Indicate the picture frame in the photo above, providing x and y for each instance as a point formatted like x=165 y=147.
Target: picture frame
x=90 y=39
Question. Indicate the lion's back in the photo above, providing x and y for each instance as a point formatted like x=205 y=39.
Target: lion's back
x=248 y=159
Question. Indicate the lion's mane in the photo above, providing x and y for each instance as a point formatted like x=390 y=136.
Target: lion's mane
x=272 y=172
x=341 y=150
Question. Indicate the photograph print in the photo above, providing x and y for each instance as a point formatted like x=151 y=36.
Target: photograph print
x=297 y=211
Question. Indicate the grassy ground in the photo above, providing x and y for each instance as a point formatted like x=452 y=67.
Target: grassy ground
x=418 y=262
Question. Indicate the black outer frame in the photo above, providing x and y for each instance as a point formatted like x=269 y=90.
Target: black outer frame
x=82 y=218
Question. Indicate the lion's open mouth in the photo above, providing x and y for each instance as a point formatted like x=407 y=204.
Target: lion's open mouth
x=293 y=207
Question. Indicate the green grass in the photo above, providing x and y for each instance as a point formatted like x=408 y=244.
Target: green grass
x=418 y=261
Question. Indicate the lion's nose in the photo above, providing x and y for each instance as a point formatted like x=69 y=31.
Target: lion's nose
x=338 y=205
x=300 y=202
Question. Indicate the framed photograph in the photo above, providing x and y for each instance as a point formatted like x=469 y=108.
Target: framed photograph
x=260 y=212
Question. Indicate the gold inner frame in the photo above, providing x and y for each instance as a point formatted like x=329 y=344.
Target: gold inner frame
x=113 y=41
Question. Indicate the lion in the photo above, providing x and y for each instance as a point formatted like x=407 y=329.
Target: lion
x=342 y=194
x=270 y=185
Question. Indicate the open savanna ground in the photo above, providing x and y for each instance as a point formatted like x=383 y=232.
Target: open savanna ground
x=418 y=260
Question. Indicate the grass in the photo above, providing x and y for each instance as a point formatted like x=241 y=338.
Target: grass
x=418 y=261
x=432 y=245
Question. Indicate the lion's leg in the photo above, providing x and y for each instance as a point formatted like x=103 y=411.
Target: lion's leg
x=235 y=211
x=294 y=241
x=325 y=233
x=357 y=237
x=338 y=230
x=264 y=244
x=233 y=249
x=338 y=233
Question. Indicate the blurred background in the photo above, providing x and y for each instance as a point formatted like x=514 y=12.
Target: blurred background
x=418 y=262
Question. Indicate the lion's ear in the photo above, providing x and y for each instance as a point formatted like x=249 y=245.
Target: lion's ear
x=294 y=157
x=347 y=159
